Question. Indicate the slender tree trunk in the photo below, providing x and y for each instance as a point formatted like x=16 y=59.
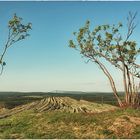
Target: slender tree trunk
x=106 y=72
x=125 y=84
x=130 y=89
x=134 y=91
x=135 y=95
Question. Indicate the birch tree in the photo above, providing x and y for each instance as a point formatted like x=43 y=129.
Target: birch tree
x=106 y=43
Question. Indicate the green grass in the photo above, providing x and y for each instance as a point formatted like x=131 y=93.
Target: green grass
x=136 y=134
x=47 y=125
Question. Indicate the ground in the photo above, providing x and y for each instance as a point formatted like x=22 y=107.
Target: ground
x=27 y=116
x=120 y=123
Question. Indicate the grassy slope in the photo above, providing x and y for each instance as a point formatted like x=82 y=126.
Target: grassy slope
x=30 y=124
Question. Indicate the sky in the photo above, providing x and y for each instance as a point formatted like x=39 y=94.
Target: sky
x=44 y=62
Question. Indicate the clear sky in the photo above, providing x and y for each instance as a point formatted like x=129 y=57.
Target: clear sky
x=44 y=62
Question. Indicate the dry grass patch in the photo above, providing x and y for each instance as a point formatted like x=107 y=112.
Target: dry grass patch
x=124 y=126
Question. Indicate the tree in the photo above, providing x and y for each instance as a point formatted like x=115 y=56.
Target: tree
x=17 y=31
x=107 y=43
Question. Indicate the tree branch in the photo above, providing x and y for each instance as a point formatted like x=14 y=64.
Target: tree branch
x=131 y=25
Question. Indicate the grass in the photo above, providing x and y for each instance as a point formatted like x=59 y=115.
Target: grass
x=60 y=125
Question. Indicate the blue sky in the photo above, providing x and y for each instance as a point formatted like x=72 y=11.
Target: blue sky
x=44 y=62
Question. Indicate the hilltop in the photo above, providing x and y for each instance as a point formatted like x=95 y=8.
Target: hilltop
x=30 y=124
x=64 y=117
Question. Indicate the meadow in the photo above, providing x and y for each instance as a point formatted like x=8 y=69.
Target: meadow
x=30 y=124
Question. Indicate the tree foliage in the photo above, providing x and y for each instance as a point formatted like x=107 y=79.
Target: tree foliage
x=108 y=43
x=17 y=31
